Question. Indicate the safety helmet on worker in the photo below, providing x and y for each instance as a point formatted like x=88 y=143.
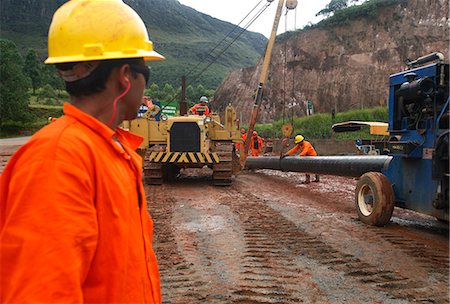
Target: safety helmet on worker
x=204 y=99
x=298 y=139
x=119 y=33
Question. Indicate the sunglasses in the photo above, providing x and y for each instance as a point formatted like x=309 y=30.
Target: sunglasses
x=141 y=69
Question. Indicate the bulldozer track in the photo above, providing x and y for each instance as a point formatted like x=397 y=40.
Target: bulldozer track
x=223 y=171
x=152 y=172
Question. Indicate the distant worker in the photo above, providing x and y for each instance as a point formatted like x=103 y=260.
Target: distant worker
x=256 y=144
x=51 y=119
x=200 y=108
x=306 y=149
x=74 y=220
x=243 y=137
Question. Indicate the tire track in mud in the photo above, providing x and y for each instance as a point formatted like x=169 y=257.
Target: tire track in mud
x=287 y=235
x=433 y=259
x=280 y=261
x=179 y=281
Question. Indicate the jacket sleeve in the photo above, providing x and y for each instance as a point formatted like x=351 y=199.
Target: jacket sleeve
x=293 y=150
x=306 y=149
x=49 y=234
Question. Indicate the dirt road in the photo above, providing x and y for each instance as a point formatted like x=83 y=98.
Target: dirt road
x=271 y=239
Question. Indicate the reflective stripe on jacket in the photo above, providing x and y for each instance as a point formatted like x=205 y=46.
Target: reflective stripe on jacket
x=74 y=225
x=306 y=150
x=193 y=109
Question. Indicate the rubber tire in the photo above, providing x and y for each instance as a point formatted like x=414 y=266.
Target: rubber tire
x=383 y=199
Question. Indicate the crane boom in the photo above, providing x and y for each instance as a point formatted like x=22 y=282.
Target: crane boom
x=262 y=80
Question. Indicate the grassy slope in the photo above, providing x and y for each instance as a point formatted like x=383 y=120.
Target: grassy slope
x=180 y=33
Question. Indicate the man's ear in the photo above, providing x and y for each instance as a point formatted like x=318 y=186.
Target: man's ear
x=124 y=74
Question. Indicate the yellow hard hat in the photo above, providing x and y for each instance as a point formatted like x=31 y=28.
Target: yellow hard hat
x=89 y=30
x=298 y=139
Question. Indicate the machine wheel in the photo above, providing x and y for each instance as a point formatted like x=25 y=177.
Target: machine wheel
x=374 y=199
x=223 y=171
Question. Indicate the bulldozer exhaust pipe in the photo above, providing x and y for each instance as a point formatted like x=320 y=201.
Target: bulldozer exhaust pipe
x=352 y=166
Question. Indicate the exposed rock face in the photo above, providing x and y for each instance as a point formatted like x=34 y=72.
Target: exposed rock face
x=342 y=67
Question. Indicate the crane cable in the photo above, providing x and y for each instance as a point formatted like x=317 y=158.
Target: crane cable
x=284 y=67
x=249 y=23
x=223 y=39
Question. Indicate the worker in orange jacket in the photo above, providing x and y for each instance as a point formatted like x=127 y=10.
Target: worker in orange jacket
x=306 y=149
x=74 y=225
x=256 y=144
x=243 y=137
x=200 y=108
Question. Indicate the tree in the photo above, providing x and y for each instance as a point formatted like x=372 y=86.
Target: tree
x=199 y=91
x=51 y=77
x=14 y=84
x=334 y=6
x=152 y=91
x=190 y=94
x=32 y=69
x=168 y=92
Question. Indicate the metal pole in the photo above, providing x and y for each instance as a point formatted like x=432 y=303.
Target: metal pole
x=183 y=105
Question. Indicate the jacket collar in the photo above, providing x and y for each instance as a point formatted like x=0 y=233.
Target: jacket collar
x=126 y=137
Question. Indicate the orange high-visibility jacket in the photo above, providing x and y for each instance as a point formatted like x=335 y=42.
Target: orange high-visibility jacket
x=193 y=109
x=306 y=150
x=74 y=225
x=243 y=137
x=256 y=151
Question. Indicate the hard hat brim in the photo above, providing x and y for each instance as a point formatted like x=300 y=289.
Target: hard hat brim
x=148 y=56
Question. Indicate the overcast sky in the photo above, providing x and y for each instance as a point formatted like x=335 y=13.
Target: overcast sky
x=235 y=10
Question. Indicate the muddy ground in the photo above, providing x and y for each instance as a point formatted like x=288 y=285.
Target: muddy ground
x=271 y=239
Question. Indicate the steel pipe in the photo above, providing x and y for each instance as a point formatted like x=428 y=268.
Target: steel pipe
x=329 y=165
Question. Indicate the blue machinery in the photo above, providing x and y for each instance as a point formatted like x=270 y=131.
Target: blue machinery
x=415 y=175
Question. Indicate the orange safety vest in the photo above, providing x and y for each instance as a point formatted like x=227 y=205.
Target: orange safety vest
x=74 y=225
x=257 y=150
x=243 y=137
x=194 y=109
x=306 y=150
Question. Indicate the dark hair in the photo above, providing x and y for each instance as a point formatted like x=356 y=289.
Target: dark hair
x=96 y=81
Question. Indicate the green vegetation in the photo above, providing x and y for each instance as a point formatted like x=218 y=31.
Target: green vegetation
x=180 y=33
x=318 y=126
x=344 y=15
x=14 y=85
x=368 y=9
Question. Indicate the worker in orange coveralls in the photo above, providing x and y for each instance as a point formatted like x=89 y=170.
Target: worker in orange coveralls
x=306 y=149
x=201 y=108
x=74 y=225
x=243 y=137
x=256 y=144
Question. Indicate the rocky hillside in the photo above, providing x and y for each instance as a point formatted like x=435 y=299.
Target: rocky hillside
x=182 y=34
x=342 y=66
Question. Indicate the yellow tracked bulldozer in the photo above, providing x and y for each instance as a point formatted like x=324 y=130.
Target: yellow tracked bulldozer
x=187 y=141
